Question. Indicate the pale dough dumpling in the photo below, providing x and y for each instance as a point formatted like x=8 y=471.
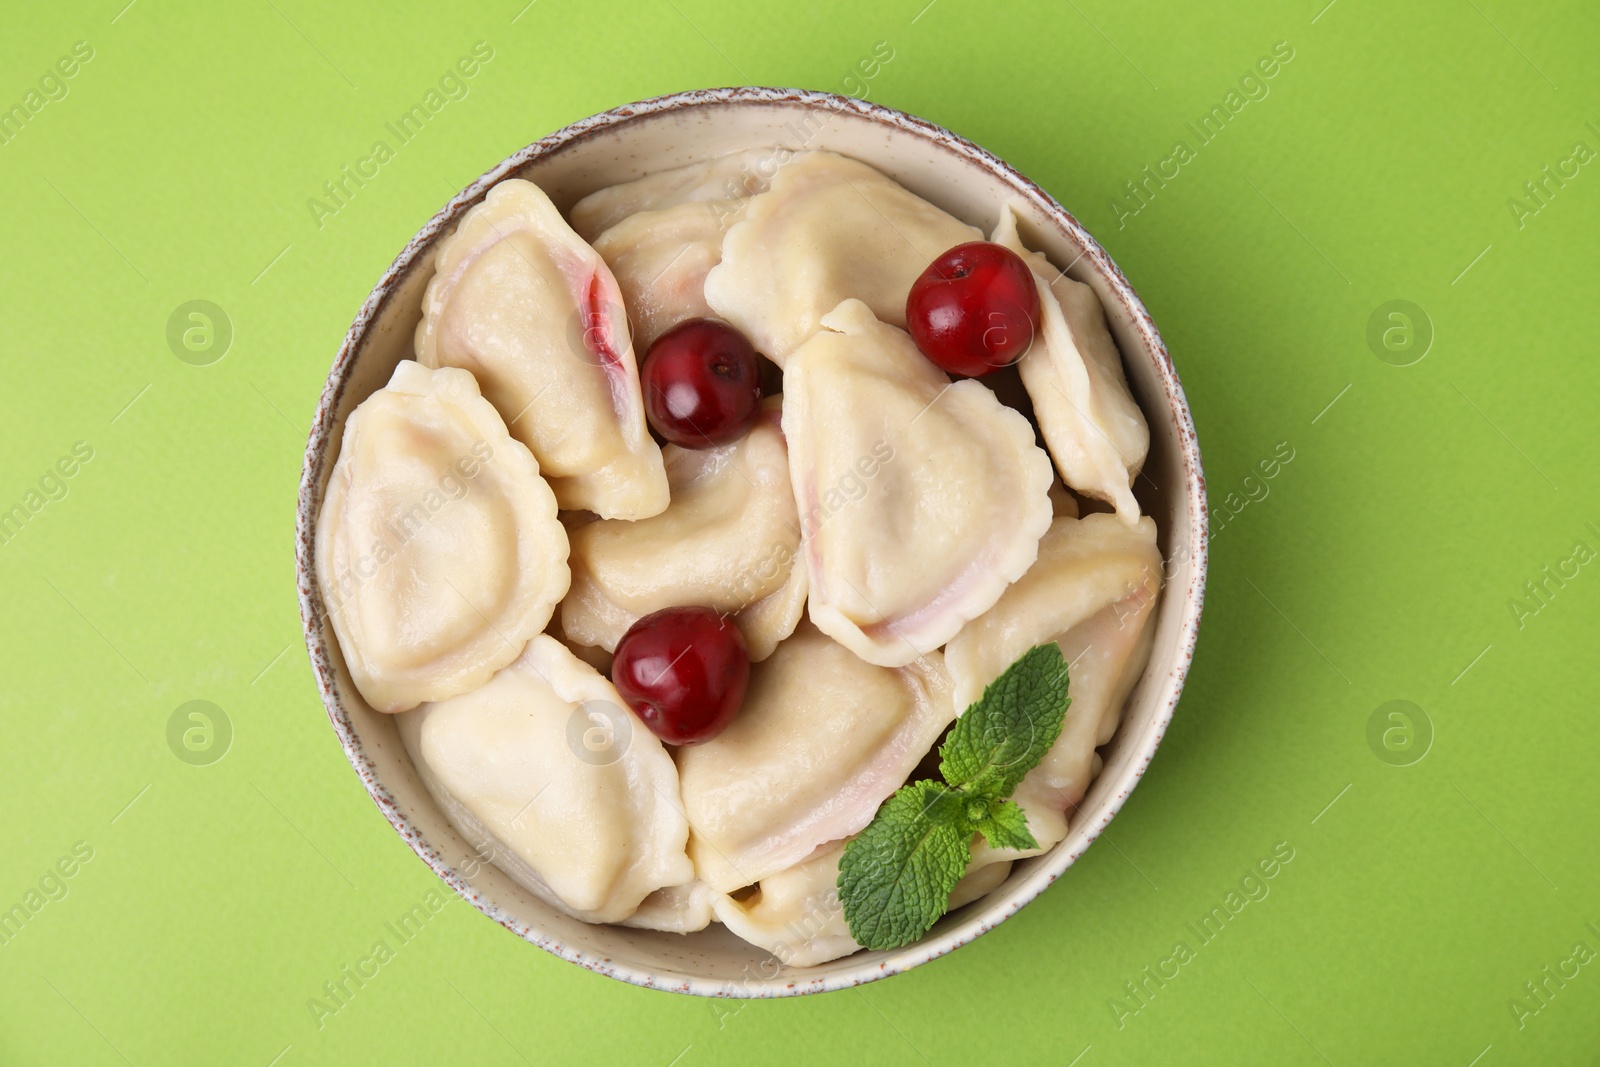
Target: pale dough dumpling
x=729 y=541
x=660 y=260
x=437 y=549
x=593 y=827
x=822 y=740
x=1073 y=373
x=952 y=513
x=794 y=914
x=534 y=312
x=735 y=176
x=829 y=228
x=675 y=909
x=663 y=233
x=981 y=879
x=1091 y=591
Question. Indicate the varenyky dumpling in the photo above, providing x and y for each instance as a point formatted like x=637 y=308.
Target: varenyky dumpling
x=1073 y=374
x=829 y=228
x=729 y=541
x=979 y=881
x=822 y=740
x=675 y=909
x=438 y=550
x=663 y=233
x=1091 y=591
x=595 y=825
x=735 y=176
x=524 y=304
x=661 y=259
x=775 y=616
x=796 y=914
x=951 y=512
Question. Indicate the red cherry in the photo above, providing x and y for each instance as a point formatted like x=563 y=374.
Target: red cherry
x=684 y=672
x=701 y=384
x=974 y=309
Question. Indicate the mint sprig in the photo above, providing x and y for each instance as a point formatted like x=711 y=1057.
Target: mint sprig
x=895 y=877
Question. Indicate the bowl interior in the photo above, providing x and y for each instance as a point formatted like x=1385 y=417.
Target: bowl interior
x=953 y=174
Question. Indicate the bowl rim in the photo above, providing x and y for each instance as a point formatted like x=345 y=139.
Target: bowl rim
x=325 y=425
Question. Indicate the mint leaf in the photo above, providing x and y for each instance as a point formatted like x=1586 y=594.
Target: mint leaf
x=895 y=877
x=1006 y=826
x=1007 y=731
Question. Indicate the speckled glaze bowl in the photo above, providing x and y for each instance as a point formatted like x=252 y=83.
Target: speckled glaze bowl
x=958 y=176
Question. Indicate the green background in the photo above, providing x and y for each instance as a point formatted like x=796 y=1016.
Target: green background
x=1380 y=564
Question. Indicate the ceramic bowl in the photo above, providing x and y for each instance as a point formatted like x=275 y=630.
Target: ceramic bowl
x=958 y=176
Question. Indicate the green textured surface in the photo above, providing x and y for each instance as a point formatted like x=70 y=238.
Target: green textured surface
x=1380 y=563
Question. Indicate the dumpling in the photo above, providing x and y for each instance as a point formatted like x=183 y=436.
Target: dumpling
x=1092 y=592
x=734 y=176
x=524 y=304
x=1086 y=567
x=920 y=501
x=675 y=909
x=593 y=655
x=829 y=228
x=662 y=233
x=822 y=740
x=551 y=766
x=775 y=616
x=729 y=540
x=981 y=879
x=660 y=260
x=1073 y=373
x=794 y=914
x=438 y=550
